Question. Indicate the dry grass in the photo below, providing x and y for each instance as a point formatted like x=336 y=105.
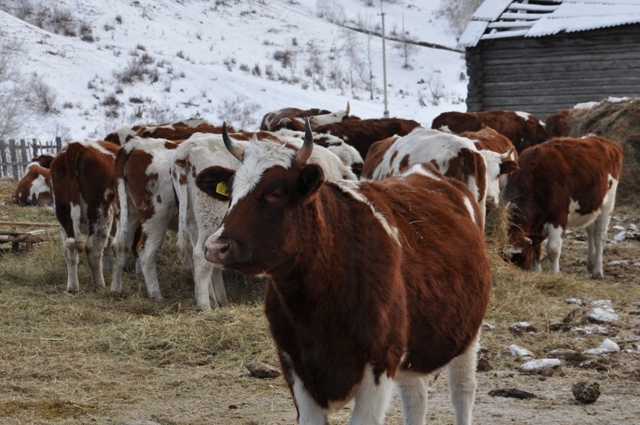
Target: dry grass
x=619 y=122
x=99 y=358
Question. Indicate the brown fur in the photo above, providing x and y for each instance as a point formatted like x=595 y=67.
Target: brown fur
x=361 y=134
x=23 y=190
x=342 y=293
x=557 y=124
x=522 y=133
x=550 y=175
x=276 y=120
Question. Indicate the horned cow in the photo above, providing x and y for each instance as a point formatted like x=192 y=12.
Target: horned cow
x=352 y=304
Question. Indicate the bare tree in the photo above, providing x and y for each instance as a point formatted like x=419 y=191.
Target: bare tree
x=15 y=90
x=361 y=54
x=458 y=13
x=406 y=46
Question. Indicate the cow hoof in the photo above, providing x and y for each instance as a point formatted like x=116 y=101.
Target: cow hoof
x=596 y=276
x=73 y=291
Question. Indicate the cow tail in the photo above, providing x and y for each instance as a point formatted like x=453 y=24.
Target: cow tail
x=183 y=244
x=122 y=207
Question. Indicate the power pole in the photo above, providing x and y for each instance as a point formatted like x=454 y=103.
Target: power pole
x=384 y=65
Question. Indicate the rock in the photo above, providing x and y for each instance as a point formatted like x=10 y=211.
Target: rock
x=636 y=303
x=487 y=327
x=512 y=393
x=606 y=304
x=586 y=393
x=566 y=354
x=518 y=351
x=602 y=315
x=575 y=301
x=484 y=365
x=620 y=236
x=521 y=327
x=590 y=330
x=262 y=370
x=607 y=347
x=542 y=366
x=593 y=364
x=617 y=262
x=617 y=227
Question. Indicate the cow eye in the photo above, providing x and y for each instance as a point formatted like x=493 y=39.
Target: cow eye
x=276 y=194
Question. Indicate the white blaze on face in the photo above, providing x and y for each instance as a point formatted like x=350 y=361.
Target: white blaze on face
x=259 y=157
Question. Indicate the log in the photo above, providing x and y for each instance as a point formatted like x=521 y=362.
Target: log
x=27 y=224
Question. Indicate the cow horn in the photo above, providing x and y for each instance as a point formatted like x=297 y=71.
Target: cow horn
x=348 y=109
x=528 y=240
x=307 y=147
x=507 y=155
x=235 y=150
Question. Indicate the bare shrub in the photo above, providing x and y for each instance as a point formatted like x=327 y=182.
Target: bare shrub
x=44 y=97
x=458 y=13
x=238 y=111
x=331 y=10
x=15 y=94
x=256 y=70
x=136 y=71
x=285 y=57
x=244 y=68
x=111 y=101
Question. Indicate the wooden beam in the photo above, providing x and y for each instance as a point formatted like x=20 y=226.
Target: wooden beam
x=28 y=224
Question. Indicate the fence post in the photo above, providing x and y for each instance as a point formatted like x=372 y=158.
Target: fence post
x=25 y=157
x=3 y=157
x=34 y=148
x=14 y=159
x=58 y=144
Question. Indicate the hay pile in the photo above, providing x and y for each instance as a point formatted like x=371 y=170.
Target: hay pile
x=7 y=189
x=619 y=122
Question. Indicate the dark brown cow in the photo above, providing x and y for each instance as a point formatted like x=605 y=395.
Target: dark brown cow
x=557 y=124
x=35 y=187
x=83 y=182
x=521 y=128
x=562 y=183
x=177 y=131
x=361 y=134
x=363 y=291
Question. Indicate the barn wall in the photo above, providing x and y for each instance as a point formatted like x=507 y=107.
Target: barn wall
x=546 y=74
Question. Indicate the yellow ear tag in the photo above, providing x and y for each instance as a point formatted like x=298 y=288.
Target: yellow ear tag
x=221 y=188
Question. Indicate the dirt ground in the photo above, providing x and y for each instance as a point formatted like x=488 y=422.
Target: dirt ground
x=94 y=358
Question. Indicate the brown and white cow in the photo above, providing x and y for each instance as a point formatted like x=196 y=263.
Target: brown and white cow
x=361 y=134
x=200 y=215
x=35 y=186
x=146 y=199
x=284 y=118
x=522 y=128
x=453 y=155
x=83 y=182
x=562 y=183
x=558 y=123
x=363 y=291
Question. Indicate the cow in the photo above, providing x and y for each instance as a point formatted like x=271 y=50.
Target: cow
x=562 y=183
x=200 y=215
x=452 y=155
x=35 y=186
x=177 y=131
x=522 y=128
x=145 y=199
x=361 y=134
x=293 y=118
x=83 y=182
x=363 y=291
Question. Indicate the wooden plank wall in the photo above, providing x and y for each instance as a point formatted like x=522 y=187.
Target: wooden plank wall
x=546 y=74
x=15 y=155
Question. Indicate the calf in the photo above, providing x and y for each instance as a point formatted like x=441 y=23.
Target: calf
x=35 y=187
x=562 y=183
x=363 y=291
x=454 y=156
x=361 y=134
x=200 y=215
x=521 y=128
x=83 y=182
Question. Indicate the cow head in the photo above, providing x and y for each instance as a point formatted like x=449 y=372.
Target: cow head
x=497 y=166
x=318 y=120
x=44 y=160
x=267 y=195
x=523 y=248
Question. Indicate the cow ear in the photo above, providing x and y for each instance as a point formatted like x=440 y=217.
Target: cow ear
x=309 y=180
x=537 y=238
x=214 y=182
x=508 y=166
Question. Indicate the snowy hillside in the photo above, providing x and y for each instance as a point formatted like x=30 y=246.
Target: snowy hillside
x=163 y=60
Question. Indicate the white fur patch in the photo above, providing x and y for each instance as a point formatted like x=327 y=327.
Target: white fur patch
x=418 y=169
x=469 y=205
x=97 y=147
x=259 y=157
x=525 y=116
x=38 y=186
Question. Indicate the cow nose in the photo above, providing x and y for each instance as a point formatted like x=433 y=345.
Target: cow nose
x=490 y=202
x=216 y=251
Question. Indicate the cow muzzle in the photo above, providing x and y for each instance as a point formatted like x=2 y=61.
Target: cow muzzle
x=224 y=252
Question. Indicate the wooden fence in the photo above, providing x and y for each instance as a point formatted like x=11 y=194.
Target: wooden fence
x=16 y=155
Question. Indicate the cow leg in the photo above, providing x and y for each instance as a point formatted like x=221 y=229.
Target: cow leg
x=599 y=235
x=216 y=288
x=97 y=239
x=120 y=246
x=148 y=248
x=554 y=246
x=413 y=389
x=462 y=383
x=372 y=400
x=202 y=278
x=309 y=412
x=71 y=253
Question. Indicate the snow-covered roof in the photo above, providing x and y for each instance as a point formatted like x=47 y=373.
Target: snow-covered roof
x=539 y=18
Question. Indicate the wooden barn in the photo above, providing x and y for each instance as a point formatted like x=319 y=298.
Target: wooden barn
x=541 y=56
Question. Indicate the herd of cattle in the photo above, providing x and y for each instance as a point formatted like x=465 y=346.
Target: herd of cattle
x=371 y=231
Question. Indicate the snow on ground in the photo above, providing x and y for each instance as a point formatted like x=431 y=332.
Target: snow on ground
x=234 y=60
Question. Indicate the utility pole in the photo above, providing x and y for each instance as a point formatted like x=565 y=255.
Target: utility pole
x=384 y=65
